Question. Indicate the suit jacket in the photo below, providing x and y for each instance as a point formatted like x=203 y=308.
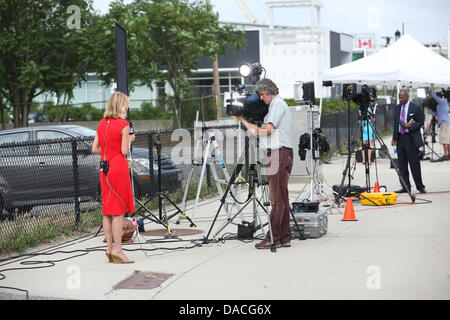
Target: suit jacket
x=414 y=112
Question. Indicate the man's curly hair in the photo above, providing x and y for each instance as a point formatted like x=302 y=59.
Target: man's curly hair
x=266 y=85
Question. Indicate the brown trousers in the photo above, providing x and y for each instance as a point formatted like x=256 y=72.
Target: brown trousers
x=282 y=159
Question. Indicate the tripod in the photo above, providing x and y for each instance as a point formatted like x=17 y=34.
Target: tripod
x=366 y=125
x=252 y=198
x=383 y=147
x=433 y=140
x=143 y=206
x=163 y=219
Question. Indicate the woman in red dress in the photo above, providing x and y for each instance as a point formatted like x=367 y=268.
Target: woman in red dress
x=112 y=142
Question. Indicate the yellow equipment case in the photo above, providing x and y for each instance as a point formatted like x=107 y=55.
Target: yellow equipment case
x=378 y=198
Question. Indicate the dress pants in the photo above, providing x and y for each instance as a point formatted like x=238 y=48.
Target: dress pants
x=279 y=195
x=408 y=153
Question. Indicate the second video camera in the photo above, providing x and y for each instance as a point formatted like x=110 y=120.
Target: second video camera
x=363 y=97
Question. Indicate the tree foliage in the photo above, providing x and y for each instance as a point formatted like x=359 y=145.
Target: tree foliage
x=38 y=50
x=165 y=39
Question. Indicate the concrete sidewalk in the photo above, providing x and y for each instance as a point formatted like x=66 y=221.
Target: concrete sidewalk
x=395 y=252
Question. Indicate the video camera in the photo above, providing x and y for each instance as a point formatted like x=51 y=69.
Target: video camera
x=363 y=98
x=446 y=93
x=319 y=141
x=429 y=102
x=240 y=102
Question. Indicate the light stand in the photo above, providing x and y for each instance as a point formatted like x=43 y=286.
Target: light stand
x=162 y=218
x=315 y=180
x=305 y=92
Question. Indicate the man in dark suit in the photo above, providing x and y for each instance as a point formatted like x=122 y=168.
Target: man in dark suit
x=408 y=120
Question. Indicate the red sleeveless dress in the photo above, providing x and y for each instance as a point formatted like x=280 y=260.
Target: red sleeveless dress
x=117 y=196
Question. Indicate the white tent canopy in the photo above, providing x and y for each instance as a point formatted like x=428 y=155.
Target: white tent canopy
x=406 y=62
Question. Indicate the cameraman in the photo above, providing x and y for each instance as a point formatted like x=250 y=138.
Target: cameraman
x=443 y=121
x=276 y=139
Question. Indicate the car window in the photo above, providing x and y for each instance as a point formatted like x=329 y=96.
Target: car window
x=12 y=138
x=53 y=148
x=83 y=131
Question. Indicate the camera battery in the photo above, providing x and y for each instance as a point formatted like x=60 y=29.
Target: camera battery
x=314 y=224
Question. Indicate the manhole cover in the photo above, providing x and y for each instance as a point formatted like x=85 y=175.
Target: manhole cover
x=143 y=280
x=175 y=232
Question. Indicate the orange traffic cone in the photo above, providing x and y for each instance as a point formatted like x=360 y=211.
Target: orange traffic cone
x=376 y=187
x=349 y=213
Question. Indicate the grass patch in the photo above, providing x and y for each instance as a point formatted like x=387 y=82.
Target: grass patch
x=27 y=230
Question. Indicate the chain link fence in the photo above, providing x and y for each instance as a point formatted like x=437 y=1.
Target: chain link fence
x=50 y=187
x=335 y=126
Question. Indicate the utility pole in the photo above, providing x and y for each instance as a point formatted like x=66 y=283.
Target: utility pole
x=215 y=67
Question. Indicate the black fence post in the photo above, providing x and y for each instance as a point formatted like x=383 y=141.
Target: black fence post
x=76 y=184
x=150 y=160
x=208 y=176
x=338 y=140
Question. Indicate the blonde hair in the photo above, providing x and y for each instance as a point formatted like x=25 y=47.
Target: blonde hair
x=117 y=106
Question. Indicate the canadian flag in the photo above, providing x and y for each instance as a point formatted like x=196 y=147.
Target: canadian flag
x=364 y=43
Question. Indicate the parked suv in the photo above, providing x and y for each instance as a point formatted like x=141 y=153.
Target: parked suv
x=36 y=167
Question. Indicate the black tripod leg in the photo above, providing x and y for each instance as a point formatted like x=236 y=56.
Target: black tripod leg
x=155 y=217
x=345 y=174
x=236 y=171
x=179 y=211
x=380 y=140
x=229 y=221
x=301 y=234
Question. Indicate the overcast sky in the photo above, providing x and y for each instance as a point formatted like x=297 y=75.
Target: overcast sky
x=425 y=20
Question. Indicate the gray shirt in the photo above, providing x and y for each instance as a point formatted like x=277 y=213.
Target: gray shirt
x=441 y=109
x=281 y=118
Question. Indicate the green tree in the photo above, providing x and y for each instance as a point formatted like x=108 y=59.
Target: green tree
x=39 y=50
x=165 y=39
x=99 y=48
x=175 y=34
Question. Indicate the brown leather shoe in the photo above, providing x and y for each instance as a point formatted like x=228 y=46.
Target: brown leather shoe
x=118 y=259
x=108 y=255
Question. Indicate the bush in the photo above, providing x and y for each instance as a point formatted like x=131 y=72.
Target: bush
x=87 y=112
x=149 y=112
x=328 y=105
x=190 y=107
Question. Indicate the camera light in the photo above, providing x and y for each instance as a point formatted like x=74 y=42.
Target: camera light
x=250 y=69
x=245 y=69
